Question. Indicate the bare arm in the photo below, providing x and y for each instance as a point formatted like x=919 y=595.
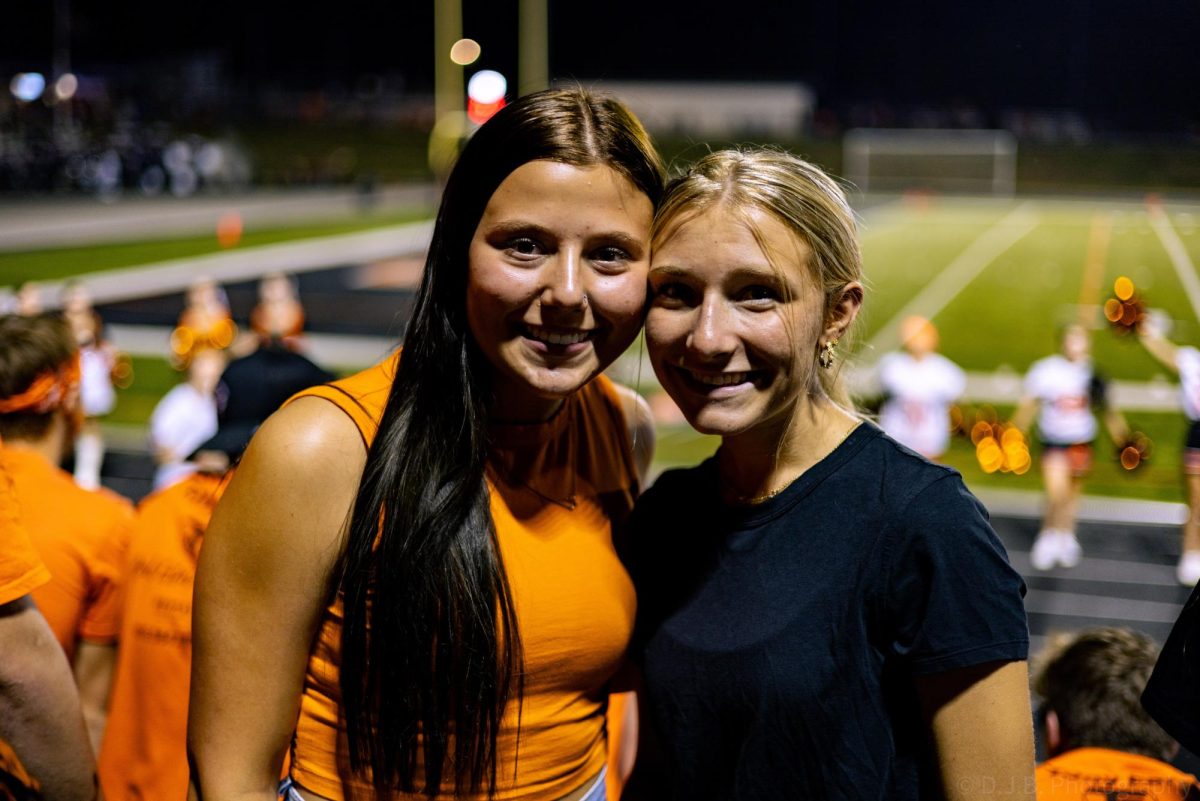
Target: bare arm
x=982 y=730
x=640 y=421
x=1117 y=425
x=1022 y=416
x=93 y=675
x=1164 y=351
x=260 y=588
x=39 y=708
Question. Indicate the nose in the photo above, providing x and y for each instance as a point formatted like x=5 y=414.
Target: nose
x=564 y=280
x=712 y=332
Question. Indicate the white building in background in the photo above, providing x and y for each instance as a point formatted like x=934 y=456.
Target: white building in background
x=718 y=109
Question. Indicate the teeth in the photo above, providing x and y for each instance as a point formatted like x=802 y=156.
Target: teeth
x=557 y=338
x=720 y=379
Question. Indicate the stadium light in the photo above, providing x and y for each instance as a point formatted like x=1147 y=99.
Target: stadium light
x=66 y=86
x=27 y=86
x=485 y=95
x=465 y=51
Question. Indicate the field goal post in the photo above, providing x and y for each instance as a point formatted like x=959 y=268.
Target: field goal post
x=954 y=160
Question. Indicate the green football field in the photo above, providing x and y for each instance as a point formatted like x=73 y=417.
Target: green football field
x=998 y=277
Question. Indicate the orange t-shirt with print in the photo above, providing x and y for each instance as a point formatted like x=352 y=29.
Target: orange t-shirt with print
x=21 y=572
x=144 y=754
x=1101 y=774
x=81 y=535
x=556 y=490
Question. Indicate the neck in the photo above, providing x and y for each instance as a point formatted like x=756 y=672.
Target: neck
x=759 y=464
x=50 y=447
x=509 y=409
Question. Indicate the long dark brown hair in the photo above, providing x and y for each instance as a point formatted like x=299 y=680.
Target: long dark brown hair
x=431 y=652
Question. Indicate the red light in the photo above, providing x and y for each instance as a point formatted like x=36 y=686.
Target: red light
x=479 y=113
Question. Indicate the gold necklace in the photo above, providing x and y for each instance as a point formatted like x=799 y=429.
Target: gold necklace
x=751 y=500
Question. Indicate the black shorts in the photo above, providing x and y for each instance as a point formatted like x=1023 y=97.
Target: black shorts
x=1079 y=455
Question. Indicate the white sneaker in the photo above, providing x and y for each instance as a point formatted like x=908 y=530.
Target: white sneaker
x=1069 y=550
x=1044 y=553
x=1188 y=571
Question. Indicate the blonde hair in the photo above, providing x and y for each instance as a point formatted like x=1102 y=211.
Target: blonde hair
x=800 y=195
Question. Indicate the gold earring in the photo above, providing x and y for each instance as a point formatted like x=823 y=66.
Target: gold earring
x=825 y=357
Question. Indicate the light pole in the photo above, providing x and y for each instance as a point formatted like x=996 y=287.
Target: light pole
x=533 y=46
x=447 y=76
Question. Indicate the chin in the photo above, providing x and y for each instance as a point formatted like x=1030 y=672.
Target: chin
x=717 y=423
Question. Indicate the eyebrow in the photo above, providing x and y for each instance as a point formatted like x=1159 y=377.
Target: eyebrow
x=515 y=227
x=740 y=273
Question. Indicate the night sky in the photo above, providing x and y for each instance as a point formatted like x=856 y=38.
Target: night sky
x=1124 y=65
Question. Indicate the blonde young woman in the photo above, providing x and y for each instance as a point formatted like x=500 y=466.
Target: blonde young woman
x=822 y=613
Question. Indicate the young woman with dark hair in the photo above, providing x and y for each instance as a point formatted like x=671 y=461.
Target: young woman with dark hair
x=410 y=584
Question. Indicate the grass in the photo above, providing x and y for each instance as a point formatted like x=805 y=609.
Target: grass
x=59 y=263
x=1006 y=318
x=1158 y=478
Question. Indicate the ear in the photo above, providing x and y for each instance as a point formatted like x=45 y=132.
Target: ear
x=843 y=309
x=1053 y=733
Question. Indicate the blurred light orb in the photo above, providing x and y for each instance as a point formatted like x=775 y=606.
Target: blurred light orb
x=27 y=86
x=1123 y=288
x=1130 y=457
x=66 y=86
x=485 y=95
x=486 y=87
x=465 y=51
x=1113 y=309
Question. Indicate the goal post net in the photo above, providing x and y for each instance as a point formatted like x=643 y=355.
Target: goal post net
x=951 y=160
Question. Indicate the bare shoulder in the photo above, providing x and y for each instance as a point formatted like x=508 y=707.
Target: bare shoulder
x=640 y=422
x=291 y=495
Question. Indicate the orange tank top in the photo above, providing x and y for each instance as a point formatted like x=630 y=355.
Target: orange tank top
x=556 y=490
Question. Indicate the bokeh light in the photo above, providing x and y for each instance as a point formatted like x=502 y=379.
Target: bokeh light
x=485 y=95
x=66 y=86
x=1123 y=288
x=465 y=51
x=27 y=86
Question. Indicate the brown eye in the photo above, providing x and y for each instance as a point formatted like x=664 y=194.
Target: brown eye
x=524 y=247
x=759 y=294
x=672 y=294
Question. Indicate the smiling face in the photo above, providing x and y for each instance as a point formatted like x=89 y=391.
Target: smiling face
x=733 y=339
x=556 y=281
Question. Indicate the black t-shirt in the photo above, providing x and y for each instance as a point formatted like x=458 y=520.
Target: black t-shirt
x=1172 y=695
x=779 y=641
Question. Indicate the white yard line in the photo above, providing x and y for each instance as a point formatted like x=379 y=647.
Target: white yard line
x=148 y=280
x=957 y=275
x=1180 y=260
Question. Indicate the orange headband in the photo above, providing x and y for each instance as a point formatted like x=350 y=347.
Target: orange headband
x=47 y=391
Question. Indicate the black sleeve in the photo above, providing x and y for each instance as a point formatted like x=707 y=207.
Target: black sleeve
x=1172 y=695
x=952 y=598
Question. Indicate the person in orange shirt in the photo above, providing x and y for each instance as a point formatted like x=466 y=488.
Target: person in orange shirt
x=456 y=502
x=1101 y=743
x=144 y=751
x=80 y=534
x=44 y=750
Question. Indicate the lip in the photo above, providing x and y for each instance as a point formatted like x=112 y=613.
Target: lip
x=718 y=383
x=552 y=341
